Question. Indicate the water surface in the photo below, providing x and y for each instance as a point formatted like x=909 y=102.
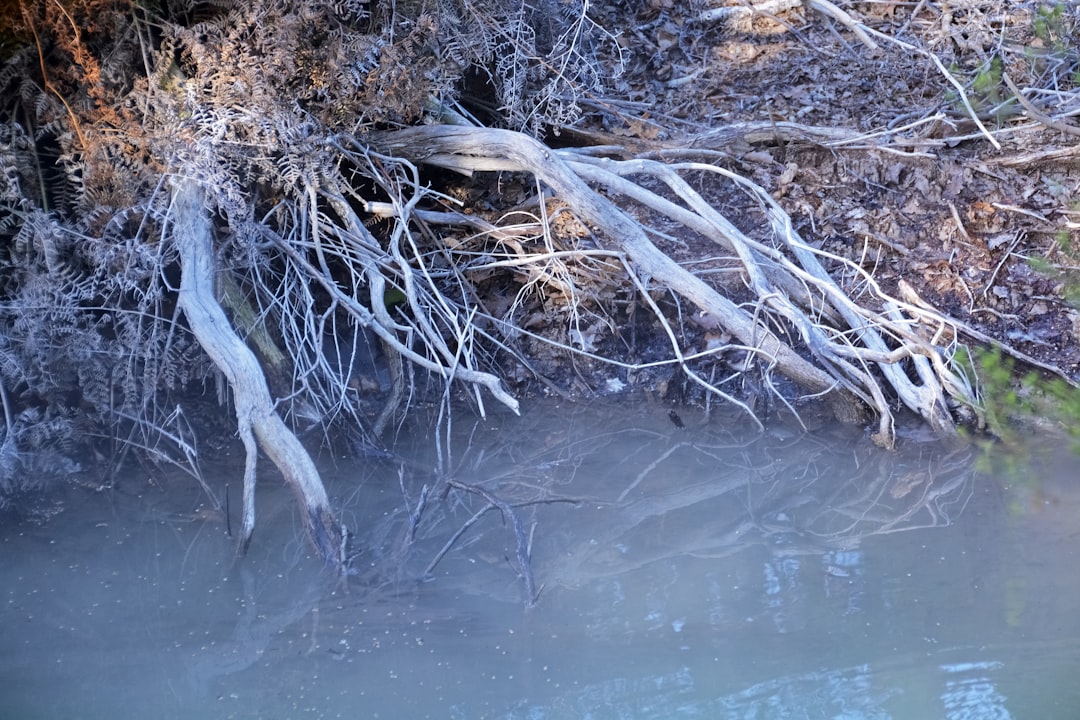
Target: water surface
x=709 y=571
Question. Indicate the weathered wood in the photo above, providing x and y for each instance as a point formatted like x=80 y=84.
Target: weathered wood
x=257 y=422
x=469 y=149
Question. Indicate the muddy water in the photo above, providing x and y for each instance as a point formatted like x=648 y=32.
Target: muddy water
x=705 y=571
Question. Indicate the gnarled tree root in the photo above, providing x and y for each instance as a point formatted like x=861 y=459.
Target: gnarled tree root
x=469 y=149
x=857 y=355
x=257 y=422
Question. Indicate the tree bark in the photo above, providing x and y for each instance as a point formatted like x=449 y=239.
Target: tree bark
x=257 y=422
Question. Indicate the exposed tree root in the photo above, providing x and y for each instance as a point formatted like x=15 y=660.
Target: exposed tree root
x=255 y=416
x=858 y=350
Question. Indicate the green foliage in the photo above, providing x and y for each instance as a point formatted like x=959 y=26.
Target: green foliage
x=1067 y=272
x=986 y=92
x=987 y=82
x=1055 y=29
x=1052 y=58
x=1011 y=405
x=394 y=297
x=1000 y=399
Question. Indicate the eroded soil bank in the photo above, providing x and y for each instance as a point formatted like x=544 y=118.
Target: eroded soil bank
x=873 y=152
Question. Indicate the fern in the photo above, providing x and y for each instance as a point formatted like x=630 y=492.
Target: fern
x=255 y=100
x=35 y=451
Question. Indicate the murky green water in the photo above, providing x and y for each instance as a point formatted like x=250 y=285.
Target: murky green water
x=697 y=572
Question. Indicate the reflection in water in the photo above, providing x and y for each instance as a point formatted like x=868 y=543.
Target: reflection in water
x=845 y=693
x=253 y=634
x=681 y=572
x=973 y=694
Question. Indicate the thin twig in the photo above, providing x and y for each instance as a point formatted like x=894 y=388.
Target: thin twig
x=521 y=537
x=1037 y=114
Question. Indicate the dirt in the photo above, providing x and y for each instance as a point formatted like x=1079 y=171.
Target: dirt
x=986 y=235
